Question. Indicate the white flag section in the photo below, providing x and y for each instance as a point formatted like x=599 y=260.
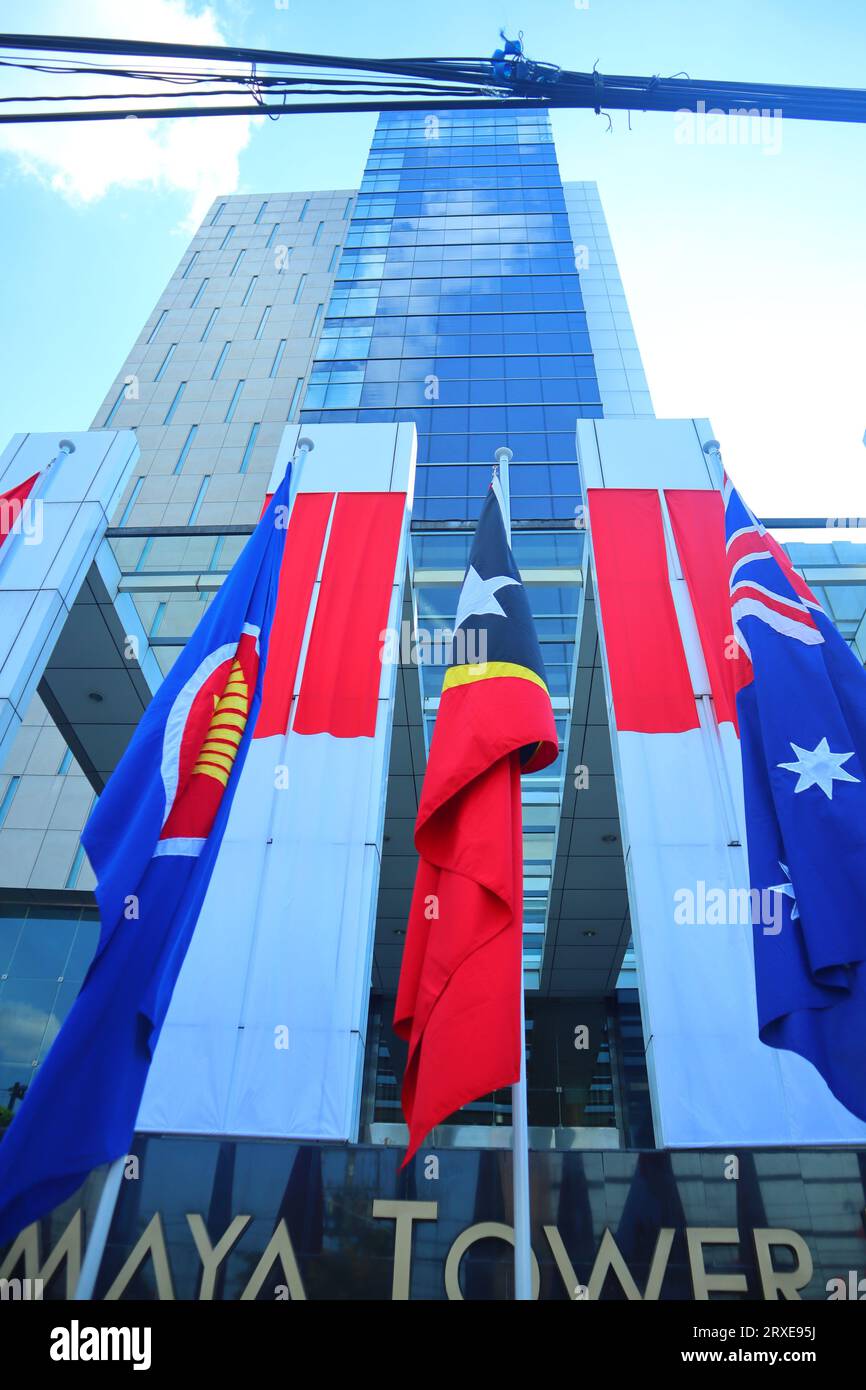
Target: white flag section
x=265 y=1033
x=679 y=783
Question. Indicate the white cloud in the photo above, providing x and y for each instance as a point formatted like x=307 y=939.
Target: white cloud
x=83 y=161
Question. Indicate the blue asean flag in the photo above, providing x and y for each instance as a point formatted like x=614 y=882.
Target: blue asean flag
x=802 y=715
x=152 y=840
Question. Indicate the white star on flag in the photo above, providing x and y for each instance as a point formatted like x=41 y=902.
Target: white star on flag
x=787 y=888
x=478 y=596
x=818 y=767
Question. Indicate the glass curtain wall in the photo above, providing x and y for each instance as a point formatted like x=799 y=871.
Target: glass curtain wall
x=457 y=305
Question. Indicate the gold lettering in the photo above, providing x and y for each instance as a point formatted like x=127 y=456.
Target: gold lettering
x=483 y=1230
x=609 y=1257
x=702 y=1282
x=779 y=1283
x=212 y=1256
x=404 y=1213
x=278 y=1247
x=150 y=1242
x=27 y=1246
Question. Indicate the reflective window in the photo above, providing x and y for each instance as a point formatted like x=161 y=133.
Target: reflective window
x=44 y=955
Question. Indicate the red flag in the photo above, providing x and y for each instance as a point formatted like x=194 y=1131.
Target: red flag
x=458 y=1004
x=11 y=503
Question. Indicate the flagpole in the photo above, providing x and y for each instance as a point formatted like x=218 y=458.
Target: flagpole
x=99 y=1234
x=519 y=1110
x=303 y=449
x=36 y=493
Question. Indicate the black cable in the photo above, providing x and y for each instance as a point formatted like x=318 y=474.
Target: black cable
x=299 y=85
x=187 y=78
x=412 y=67
x=525 y=87
x=461 y=103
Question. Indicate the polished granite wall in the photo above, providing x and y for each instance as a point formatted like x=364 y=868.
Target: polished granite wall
x=343 y=1222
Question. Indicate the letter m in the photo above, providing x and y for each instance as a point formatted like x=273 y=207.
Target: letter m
x=26 y=1247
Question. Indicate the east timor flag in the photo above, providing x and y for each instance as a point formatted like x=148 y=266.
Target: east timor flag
x=458 y=1004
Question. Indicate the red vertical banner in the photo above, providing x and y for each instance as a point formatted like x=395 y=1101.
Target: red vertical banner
x=698 y=523
x=300 y=565
x=340 y=683
x=649 y=674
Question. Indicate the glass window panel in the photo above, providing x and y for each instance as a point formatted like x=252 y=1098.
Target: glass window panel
x=443 y=509
x=487 y=392
x=44 y=944
x=522 y=389
x=83 y=950
x=384 y=369
x=339 y=396
x=561 y=389
x=421 y=418
x=383 y=393
x=66 y=995
x=447 y=419
x=418 y=368
x=11 y=924
x=452 y=344
x=26 y=1006
x=408 y=393
x=561 y=445
x=531 y=508
x=446 y=448
x=485 y=367
x=447 y=482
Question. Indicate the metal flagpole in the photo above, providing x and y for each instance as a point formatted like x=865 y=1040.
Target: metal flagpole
x=303 y=449
x=36 y=494
x=99 y=1234
x=519 y=1113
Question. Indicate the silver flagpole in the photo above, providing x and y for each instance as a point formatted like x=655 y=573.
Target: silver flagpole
x=519 y=1113
x=303 y=449
x=36 y=494
x=99 y=1234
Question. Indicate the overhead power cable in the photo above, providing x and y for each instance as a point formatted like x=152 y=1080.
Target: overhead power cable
x=309 y=82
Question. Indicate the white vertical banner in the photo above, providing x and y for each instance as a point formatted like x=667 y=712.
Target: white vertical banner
x=266 y=1029
x=680 y=797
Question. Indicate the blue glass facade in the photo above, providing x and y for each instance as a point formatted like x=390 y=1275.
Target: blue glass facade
x=457 y=305
x=45 y=952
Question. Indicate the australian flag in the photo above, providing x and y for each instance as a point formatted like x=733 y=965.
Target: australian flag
x=458 y=1003
x=152 y=839
x=802 y=713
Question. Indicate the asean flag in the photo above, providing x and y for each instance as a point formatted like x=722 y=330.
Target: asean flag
x=153 y=840
x=458 y=1002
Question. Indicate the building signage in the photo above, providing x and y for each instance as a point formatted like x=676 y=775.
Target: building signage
x=211 y=1220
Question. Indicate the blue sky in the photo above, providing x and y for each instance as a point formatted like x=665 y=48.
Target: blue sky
x=743 y=262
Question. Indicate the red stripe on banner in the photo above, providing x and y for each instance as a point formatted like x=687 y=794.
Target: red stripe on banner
x=265 y=504
x=298 y=569
x=698 y=522
x=340 y=683
x=652 y=689
x=11 y=503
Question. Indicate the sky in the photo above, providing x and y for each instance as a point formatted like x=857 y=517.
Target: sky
x=741 y=246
